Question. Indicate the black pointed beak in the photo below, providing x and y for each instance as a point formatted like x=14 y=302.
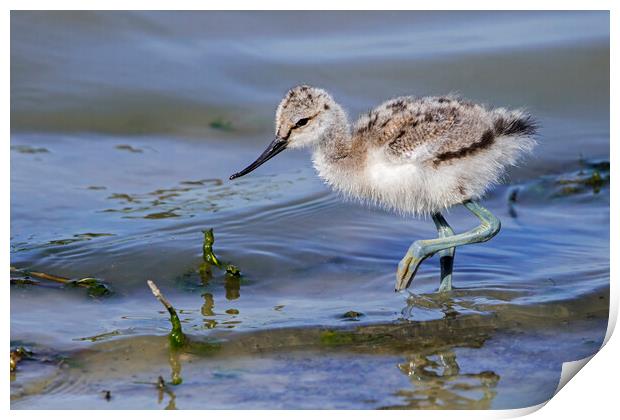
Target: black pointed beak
x=273 y=149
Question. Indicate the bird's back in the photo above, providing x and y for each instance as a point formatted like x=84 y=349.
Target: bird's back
x=426 y=154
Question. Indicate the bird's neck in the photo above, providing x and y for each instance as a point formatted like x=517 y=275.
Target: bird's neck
x=335 y=142
x=337 y=158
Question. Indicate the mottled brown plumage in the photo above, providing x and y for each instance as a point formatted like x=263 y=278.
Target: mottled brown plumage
x=455 y=128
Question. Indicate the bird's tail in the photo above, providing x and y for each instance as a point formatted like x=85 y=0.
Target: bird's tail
x=514 y=124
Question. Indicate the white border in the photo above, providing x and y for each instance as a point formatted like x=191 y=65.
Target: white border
x=592 y=395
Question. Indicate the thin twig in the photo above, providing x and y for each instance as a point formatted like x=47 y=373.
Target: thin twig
x=157 y=293
x=43 y=276
x=177 y=338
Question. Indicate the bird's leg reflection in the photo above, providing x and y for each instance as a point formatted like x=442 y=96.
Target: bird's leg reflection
x=438 y=383
x=436 y=301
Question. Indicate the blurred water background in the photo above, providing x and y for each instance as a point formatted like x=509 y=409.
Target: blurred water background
x=125 y=127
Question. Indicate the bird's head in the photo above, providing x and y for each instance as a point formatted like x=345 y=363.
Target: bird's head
x=304 y=118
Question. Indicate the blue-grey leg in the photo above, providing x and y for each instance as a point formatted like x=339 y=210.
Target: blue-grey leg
x=422 y=249
x=446 y=256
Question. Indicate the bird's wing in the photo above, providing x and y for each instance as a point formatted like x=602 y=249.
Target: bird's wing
x=419 y=129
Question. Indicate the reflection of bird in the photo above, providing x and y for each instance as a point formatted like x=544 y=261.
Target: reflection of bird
x=411 y=155
x=439 y=383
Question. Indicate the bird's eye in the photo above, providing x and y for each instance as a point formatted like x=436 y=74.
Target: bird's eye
x=302 y=122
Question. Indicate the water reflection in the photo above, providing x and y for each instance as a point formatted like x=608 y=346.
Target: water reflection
x=232 y=283
x=207 y=311
x=233 y=286
x=434 y=302
x=207 y=307
x=175 y=366
x=171 y=402
x=438 y=383
x=163 y=389
x=205 y=272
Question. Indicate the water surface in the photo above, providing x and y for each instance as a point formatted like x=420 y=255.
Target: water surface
x=125 y=128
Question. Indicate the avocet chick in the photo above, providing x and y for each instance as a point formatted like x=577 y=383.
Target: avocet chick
x=412 y=155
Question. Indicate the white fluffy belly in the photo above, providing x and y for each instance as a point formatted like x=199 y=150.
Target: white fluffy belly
x=404 y=188
x=416 y=185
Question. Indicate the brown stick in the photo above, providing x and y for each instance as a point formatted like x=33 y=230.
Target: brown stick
x=43 y=276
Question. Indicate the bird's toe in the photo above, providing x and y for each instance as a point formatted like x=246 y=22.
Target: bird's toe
x=407 y=268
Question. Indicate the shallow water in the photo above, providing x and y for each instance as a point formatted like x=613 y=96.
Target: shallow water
x=125 y=127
